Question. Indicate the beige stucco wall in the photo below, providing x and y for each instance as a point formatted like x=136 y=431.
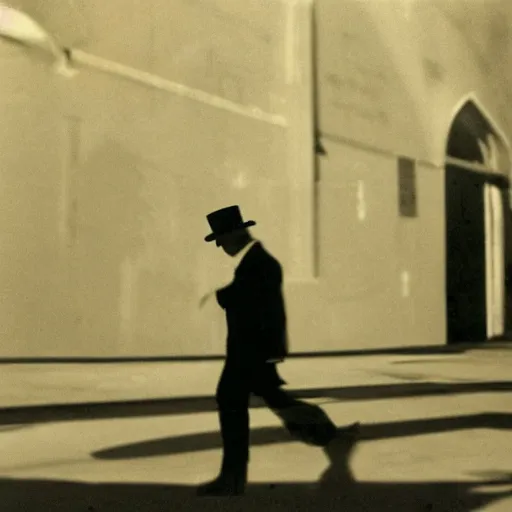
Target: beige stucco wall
x=391 y=76
x=127 y=174
x=106 y=183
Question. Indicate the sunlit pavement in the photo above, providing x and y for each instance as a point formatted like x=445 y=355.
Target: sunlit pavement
x=435 y=436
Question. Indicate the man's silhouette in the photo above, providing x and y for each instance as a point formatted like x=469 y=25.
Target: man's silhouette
x=256 y=341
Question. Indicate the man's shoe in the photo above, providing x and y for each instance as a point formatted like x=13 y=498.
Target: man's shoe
x=226 y=484
x=349 y=430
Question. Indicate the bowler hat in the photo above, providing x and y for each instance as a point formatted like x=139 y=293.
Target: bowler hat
x=225 y=221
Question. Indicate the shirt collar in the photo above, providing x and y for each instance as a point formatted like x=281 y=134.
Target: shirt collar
x=240 y=256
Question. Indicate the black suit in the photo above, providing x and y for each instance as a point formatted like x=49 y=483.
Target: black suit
x=256 y=321
x=255 y=309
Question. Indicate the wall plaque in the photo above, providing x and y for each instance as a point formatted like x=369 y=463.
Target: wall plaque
x=407 y=187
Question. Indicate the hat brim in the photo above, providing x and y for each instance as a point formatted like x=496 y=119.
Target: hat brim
x=213 y=236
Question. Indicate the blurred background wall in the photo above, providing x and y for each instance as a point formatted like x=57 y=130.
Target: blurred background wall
x=105 y=181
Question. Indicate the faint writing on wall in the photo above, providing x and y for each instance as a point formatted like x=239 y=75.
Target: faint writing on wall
x=241 y=20
x=357 y=97
x=407 y=196
x=362 y=111
x=359 y=82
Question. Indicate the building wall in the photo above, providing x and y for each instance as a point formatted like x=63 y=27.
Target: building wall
x=380 y=98
x=107 y=182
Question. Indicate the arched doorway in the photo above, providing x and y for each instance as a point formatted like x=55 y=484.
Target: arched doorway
x=476 y=161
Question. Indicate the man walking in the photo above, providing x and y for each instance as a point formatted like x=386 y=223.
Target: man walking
x=256 y=341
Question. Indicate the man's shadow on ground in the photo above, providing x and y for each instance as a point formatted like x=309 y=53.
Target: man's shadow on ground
x=337 y=488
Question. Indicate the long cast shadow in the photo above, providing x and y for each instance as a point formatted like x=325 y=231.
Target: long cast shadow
x=336 y=490
x=194 y=405
x=272 y=435
x=60 y=496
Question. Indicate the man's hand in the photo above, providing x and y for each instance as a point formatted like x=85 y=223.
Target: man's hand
x=213 y=293
x=205 y=298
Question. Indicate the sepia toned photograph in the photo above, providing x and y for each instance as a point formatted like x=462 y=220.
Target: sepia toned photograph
x=255 y=255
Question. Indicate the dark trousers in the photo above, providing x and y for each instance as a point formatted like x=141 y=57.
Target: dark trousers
x=237 y=382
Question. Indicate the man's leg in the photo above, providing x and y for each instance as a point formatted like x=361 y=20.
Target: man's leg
x=267 y=385
x=303 y=420
x=233 y=406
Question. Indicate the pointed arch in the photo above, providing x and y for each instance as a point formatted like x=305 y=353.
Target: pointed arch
x=477 y=157
x=474 y=136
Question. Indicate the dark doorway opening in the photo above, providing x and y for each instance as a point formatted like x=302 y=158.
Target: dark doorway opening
x=466 y=308
x=465 y=257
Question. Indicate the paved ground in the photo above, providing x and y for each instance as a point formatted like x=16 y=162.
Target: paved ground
x=435 y=437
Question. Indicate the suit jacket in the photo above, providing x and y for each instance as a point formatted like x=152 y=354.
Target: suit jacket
x=255 y=310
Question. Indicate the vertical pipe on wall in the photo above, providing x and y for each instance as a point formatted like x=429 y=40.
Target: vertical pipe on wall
x=300 y=158
x=318 y=149
x=70 y=157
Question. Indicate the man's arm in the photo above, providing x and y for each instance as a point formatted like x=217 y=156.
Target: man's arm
x=224 y=295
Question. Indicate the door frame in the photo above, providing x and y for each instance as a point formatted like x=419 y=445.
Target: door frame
x=494 y=246
x=496 y=152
